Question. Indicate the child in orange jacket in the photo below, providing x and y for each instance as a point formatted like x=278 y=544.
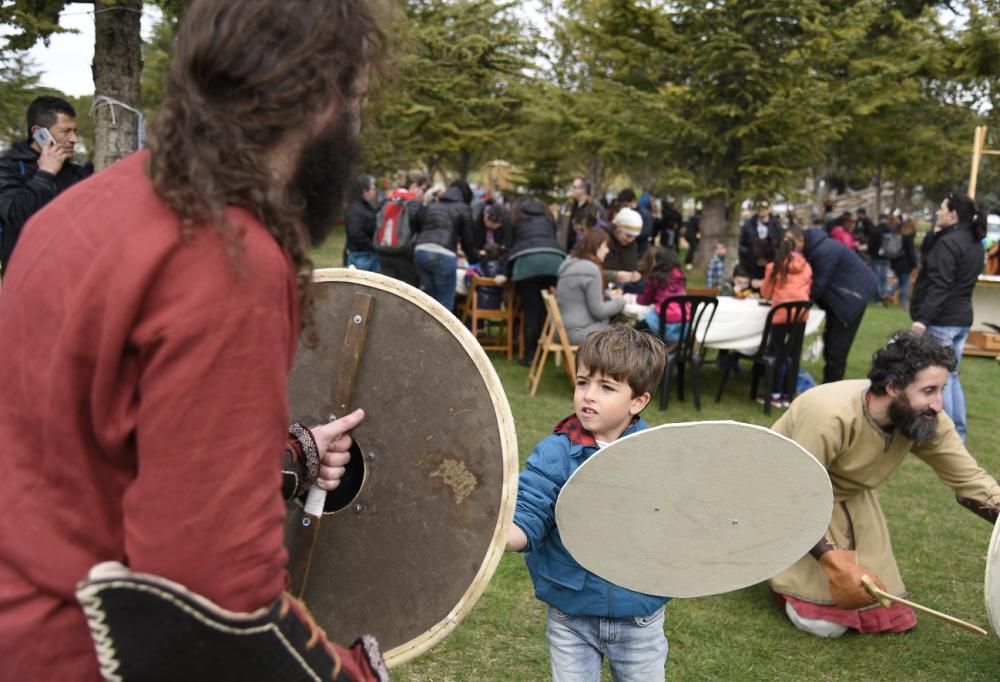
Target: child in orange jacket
x=787 y=278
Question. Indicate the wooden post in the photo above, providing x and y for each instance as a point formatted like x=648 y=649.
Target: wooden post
x=978 y=142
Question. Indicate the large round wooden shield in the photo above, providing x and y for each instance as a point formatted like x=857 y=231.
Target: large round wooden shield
x=410 y=539
x=992 y=588
x=687 y=510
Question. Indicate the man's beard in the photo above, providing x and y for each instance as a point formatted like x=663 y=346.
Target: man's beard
x=919 y=427
x=324 y=173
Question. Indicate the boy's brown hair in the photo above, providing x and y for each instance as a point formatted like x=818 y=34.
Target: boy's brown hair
x=625 y=354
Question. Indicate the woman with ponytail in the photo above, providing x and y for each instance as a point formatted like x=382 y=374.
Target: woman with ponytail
x=942 y=298
x=789 y=276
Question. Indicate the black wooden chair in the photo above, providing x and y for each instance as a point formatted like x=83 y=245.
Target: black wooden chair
x=690 y=348
x=781 y=343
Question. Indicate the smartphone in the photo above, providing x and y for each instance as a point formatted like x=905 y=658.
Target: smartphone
x=42 y=137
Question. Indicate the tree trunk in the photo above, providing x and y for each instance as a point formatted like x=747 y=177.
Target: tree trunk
x=595 y=176
x=464 y=163
x=433 y=164
x=117 y=72
x=897 y=194
x=878 y=194
x=715 y=227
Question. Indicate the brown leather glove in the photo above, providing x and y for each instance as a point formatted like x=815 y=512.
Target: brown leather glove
x=842 y=568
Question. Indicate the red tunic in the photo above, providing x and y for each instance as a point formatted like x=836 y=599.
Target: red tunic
x=144 y=412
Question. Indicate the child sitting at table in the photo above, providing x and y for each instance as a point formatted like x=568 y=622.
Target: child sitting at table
x=617 y=370
x=787 y=278
x=491 y=264
x=741 y=285
x=661 y=268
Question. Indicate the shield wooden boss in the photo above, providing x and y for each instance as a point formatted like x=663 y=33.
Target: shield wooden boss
x=992 y=587
x=687 y=510
x=409 y=541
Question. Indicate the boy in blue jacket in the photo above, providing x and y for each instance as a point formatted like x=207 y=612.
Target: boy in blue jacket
x=617 y=370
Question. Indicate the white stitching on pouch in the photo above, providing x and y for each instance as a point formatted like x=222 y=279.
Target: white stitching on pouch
x=107 y=657
x=105 y=646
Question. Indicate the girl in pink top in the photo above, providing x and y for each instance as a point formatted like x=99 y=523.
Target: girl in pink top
x=664 y=278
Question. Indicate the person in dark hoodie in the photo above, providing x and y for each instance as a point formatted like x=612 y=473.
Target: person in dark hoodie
x=360 y=219
x=32 y=175
x=842 y=285
x=533 y=260
x=758 y=236
x=445 y=223
x=942 y=298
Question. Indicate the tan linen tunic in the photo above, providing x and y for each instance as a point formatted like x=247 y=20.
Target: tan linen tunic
x=831 y=421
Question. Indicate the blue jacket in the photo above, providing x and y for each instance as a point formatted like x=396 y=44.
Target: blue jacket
x=559 y=580
x=842 y=284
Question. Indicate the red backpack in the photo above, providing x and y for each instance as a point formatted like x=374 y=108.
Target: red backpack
x=392 y=232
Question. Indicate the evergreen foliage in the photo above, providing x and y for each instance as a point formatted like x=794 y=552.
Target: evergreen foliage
x=460 y=87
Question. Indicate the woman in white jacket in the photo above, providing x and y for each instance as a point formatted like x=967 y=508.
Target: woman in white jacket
x=581 y=288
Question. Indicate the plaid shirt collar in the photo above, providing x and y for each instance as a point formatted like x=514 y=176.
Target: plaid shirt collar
x=571 y=427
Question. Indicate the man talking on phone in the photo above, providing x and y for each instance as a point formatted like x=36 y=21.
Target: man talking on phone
x=35 y=170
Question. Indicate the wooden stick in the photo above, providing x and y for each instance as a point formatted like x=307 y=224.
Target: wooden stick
x=885 y=599
x=347 y=370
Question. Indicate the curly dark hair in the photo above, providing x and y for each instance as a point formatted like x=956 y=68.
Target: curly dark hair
x=245 y=78
x=903 y=357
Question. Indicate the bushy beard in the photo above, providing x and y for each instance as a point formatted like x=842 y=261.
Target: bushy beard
x=919 y=427
x=324 y=174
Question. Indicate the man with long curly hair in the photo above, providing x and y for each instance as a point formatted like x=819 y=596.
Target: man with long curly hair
x=148 y=326
x=861 y=431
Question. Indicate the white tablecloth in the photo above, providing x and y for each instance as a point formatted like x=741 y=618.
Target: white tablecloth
x=738 y=323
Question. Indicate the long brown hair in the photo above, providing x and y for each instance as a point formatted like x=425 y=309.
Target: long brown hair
x=587 y=245
x=245 y=78
x=783 y=254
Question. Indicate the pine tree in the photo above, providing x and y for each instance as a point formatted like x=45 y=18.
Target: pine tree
x=458 y=93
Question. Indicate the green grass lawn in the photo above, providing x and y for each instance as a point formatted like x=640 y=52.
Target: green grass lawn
x=940 y=548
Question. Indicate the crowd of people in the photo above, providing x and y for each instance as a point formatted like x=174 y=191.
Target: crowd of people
x=592 y=252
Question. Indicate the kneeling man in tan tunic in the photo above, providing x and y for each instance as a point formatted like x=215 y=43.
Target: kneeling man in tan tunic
x=860 y=431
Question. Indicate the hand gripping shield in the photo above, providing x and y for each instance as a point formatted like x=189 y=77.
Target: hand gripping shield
x=417 y=527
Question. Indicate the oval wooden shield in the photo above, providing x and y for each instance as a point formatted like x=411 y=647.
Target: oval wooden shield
x=688 y=510
x=992 y=586
x=436 y=463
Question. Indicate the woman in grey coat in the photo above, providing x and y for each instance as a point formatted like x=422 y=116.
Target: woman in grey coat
x=580 y=291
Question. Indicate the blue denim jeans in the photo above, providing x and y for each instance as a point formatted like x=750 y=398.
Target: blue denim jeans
x=953 y=398
x=636 y=647
x=437 y=276
x=881 y=268
x=903 y=287
x=671 y=331
x=364 y=260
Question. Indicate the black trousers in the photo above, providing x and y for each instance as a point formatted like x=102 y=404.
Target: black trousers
x=530 y=292
x=692 y=249
x=837 y=340
x=401 y=268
